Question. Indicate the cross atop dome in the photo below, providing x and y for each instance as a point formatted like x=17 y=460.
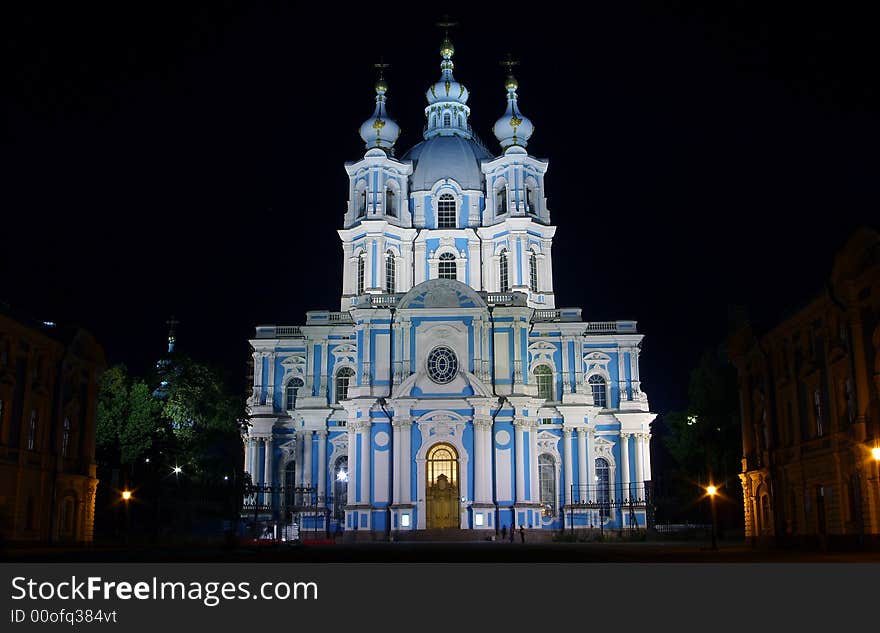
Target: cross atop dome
x=447 y=114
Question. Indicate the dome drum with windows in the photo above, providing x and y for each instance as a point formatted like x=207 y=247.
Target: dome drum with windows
x=447 y=391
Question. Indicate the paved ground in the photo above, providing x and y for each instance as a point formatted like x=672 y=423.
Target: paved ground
x=431 y=552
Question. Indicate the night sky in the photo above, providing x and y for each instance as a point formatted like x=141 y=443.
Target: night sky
x=188 y=159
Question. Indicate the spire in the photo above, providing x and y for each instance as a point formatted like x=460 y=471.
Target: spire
x=513 y=129
x=171 y=337
x=379 y=131
x=447 y=113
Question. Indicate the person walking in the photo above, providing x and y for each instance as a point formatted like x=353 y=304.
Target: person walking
x=522 y=534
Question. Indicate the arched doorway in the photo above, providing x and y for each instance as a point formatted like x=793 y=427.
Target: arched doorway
x=441 y=489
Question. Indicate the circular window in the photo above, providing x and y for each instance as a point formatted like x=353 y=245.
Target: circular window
x=442 y=365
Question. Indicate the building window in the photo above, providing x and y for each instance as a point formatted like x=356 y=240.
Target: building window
x=390 y=204
x=503 y=271
x=362 y=203
x=533 y=272
x=817 y=402
x=65 y=437
x=442 y=365
x=360 y=272
x=765 y=514
x=447 y=268
x=446 y=212
x=343 y=379
x=291 y=392
x=598 y=387
x=547 y=479
x=389 y=272
x=32 y=431
x=501 y=201
x=340 y=488
x=447 y=119
x=530 y=200
x=544 y=379
x=603 y=486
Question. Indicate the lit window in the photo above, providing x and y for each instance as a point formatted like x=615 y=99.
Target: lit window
x=533 y=272
x=390 y=208
x=360 y=272
x=597 y=385
x=544 y=378
x=389 y=272
x=503 y=272
x=501 y=201
x=446 y=212
x=293 y=388
x=343 y=379
x=603 y=486
x=404 y=520
x=547 y=479
x=447 y=268
x=65 y=438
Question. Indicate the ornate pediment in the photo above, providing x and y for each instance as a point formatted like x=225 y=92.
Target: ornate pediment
x=542 y=350
x=548 y=443
x=438 y=426
x=347 y=352
x=604 y=448
x=596 y=361
x=441 y=293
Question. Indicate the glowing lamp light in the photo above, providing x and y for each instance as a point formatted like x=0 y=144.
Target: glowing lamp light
x=711 y=490
x=875 y=453
x=177 y=470
x=342 y=476
x=126 y=495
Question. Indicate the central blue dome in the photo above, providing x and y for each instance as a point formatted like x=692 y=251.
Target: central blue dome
x=443 y=157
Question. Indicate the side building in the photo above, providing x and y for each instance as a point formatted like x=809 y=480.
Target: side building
x=48 y=398
x=810 y=404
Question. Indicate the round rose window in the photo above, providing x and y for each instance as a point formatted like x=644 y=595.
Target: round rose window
x=442 y=365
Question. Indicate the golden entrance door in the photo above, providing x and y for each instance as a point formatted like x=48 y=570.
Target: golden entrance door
x=441 y=491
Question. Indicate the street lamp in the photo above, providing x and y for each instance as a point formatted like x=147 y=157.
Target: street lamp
x=126 y=497
x=712 y=491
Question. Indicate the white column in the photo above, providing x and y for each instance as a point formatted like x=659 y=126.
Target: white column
x=352 y=463
x=479 y=464
x=566 y=379
x=647 y=472
x=307 y=459
x=640 y=460
x=520 y=463
x=248 y=458
x=366 y=451
x=395 y=456
x=579 y=386
x=270 y=383
x=624 y=464
x=566 y=455
x=321 y=437
x=258 y=377
x=591 y=461
x=583 y=483
x=534 y=493
x=322 y=379
x=267 y=461
x=403 y=473
x=300 y=440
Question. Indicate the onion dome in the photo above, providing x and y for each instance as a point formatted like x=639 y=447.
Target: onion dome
x=513 y=128
x=379 y=131
x=447 y=112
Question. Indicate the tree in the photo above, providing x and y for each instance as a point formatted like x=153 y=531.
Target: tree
x=705 y=440
x=127 y=418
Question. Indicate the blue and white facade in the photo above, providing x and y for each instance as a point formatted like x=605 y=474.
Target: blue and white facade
x=449 y=391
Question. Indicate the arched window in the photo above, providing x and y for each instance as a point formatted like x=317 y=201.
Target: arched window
x=530 y=200
x=340 y=488
x=447 y=119
x=447 y=268
x=390 y=203
x=544 y=379
x=291 y=392
x=603 y=486
x=360 y=272
x=503 y=271
x=598 y=387
x=343 y=379
x=389 y=272
x=65 y=438
x=547 y=479
x=362 y=203
x=501 y=201
x=446 y=212
x=533 y=272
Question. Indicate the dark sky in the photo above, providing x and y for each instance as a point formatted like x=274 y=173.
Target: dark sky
x=188 y=158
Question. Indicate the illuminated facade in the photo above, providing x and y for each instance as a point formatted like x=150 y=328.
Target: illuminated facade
x=449 y=391
x=810 y=404
x=48 y=396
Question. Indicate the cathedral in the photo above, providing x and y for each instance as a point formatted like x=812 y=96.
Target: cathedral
x=448 y=392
